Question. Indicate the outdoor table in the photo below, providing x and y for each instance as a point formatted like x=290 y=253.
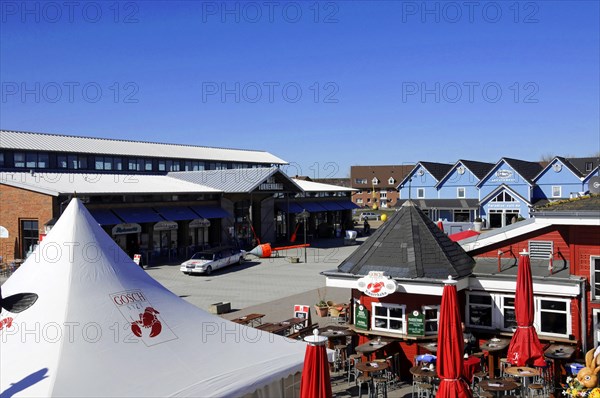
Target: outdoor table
x=336 y=333
x=525 y=373
x=368 y=368
x=470 y=366
x=250 y=319
x=560 y=354
x=371 y=346
x=497 y=386
x=275 y=328
x=494 y=346
x=423 y=372
x=429 y=346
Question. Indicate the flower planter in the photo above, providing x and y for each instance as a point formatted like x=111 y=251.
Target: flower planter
x=322 y=311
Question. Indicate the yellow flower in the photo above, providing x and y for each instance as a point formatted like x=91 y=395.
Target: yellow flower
x=595 y=393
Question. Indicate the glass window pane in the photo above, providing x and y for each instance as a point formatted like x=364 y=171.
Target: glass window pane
x=553 y=322
x=396 y=312
x=148 y=165
x=510 y=319
x=395 y=324
x=509 y=301
x=43 y=160
x=381 y=311
x=477 y=299
x=480 y=316
x=32 y=160
x=82 y=163
x=99 y=164
x=61 y=161
x=431 y=314
x=554 y=305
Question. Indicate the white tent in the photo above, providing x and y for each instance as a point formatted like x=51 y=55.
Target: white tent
x=79 y=338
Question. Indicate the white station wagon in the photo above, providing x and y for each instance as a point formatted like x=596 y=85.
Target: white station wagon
x=207 y=261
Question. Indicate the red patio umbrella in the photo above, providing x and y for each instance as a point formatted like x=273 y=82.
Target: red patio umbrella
x=315 y=382
x=525 y=347
x=450 y=347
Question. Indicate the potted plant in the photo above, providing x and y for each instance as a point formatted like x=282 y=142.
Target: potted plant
x=477 y=223
x=321 y=306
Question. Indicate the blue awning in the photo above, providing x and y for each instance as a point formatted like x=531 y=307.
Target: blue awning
x=138 y=214
x=105 y=216
x=292 y=209
x=347 y=204
x=176 y=213
x=331 y=206
x=312 y=207
x=210 y=212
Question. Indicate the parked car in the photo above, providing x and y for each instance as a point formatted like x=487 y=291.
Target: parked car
x=368 y=215
x=205 y=262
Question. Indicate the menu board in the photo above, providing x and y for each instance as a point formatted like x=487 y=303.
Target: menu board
x=416 y=324
x=361 y=317
x=302 y=311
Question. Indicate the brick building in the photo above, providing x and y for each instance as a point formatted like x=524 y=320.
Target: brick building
x=377 y=185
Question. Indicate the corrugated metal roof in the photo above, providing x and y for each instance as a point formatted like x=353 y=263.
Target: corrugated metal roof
x=232 y=180
x=70 y=183
x=311 y=186
x=18 y=140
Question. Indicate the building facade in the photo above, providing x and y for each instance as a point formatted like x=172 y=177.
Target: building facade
x=377 y=185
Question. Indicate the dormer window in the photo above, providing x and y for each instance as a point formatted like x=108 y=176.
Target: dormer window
x=375 y=181
x=391 y=181
x=589 y=166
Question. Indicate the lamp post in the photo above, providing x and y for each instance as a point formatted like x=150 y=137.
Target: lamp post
x=304 y=215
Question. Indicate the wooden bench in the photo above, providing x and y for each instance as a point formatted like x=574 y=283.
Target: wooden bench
x=300 y=334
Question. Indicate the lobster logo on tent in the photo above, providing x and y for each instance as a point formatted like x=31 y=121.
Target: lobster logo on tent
x=143 y=318
x=5 y=322
x=375 y=284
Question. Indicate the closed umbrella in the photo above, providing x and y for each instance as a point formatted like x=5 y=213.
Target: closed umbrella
x=450 y=347
x=315 y=382
x=525 y=347
x=440 y=225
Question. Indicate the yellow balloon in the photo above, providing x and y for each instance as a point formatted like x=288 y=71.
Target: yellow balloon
x=383 y=217
x=375 y=206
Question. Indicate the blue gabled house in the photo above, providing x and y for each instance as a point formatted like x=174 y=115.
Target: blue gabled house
x=506 y=192
x=421 y=181
x=560 y=179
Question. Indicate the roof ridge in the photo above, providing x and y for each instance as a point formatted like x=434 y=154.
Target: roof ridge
x=131 y=141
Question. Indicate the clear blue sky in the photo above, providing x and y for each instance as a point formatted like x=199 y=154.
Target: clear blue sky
x=380 y=82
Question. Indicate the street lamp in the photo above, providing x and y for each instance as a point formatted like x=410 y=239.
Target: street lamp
x=304 y=215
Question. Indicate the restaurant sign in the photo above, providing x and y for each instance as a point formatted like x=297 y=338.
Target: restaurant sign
x=165 y=226
x=375 y=284
x=123 y=229
x=416 y=324
x=199 y=223
x=361 y=317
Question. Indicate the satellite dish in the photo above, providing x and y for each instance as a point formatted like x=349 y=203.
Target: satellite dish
x=420 y=172
x=461 y=170
x=594 y=185
x=557 y=167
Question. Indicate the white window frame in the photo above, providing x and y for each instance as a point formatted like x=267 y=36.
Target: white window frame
x=593 y=281
x=492 y=306
x=503 y=308
x=389 y=305
x=461 y=192
x=383 y=194
x=556 y=194
x=359 y=200
x=498 y=307
x=391 y=180
x=596 y=324
x=538 y=316
x=375 y=181
x=436 y=320
x=421 y=193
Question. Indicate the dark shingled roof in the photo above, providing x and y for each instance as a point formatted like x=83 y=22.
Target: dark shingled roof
x=409 y=245
x=584 y=203
x=437 y=170
x=579 y=164
x=480 y=169
x=527 y=170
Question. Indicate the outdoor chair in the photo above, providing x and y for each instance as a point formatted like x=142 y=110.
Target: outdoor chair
x=351 y=367
x=362 y=379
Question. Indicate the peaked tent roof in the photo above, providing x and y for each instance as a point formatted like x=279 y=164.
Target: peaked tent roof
x=409 y=245
x=93 y=300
